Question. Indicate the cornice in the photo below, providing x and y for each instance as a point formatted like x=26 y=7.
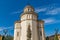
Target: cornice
x=18 y=21
x=28 y=19
x=40 y=21
x=28 y=13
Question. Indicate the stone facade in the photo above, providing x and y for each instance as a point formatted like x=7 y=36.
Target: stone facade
x=29 y=18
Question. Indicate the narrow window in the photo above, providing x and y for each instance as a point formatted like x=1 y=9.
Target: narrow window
x=17 y=34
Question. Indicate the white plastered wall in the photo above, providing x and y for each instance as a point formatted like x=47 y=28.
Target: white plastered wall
x=17 y=31
x=42 y=33
x=33 y=26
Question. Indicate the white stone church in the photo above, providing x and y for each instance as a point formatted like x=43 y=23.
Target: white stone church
x=29 y=28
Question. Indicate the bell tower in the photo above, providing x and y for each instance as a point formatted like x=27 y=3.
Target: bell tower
x=29 y=17
x=29 y=28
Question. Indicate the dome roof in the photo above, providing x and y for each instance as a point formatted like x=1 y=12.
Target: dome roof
x=28 y=8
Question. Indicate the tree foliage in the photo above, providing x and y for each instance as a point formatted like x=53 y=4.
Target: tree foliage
x=56 y=35
x=7 y=37
x=47 y=38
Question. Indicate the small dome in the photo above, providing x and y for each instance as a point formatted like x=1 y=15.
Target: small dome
x=28 y=8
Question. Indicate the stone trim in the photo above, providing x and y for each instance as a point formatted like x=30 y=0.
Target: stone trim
x=40 y=21
x=28 y=13
x=28 y=19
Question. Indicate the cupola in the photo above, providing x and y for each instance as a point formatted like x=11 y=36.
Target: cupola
x=28 y=8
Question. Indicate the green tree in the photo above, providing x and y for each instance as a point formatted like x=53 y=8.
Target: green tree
x=47 y=38
x=6 y=36
x=56 y=35
x=2 y=37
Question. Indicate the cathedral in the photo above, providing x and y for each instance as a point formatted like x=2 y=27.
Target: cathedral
x=29 y=27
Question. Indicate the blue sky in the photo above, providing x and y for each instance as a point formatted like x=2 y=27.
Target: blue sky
x=48 y=10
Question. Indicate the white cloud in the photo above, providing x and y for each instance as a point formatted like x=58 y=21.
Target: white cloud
x=53 y=11
x=40 y=9
x=1 y=29
x=7 y=28
x=51 y=21
x=49 y=10
x=16 y=12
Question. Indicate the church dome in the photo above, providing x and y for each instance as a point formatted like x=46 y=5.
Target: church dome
x=28 y=8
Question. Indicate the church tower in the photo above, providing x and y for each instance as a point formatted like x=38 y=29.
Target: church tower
x=29 y=28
